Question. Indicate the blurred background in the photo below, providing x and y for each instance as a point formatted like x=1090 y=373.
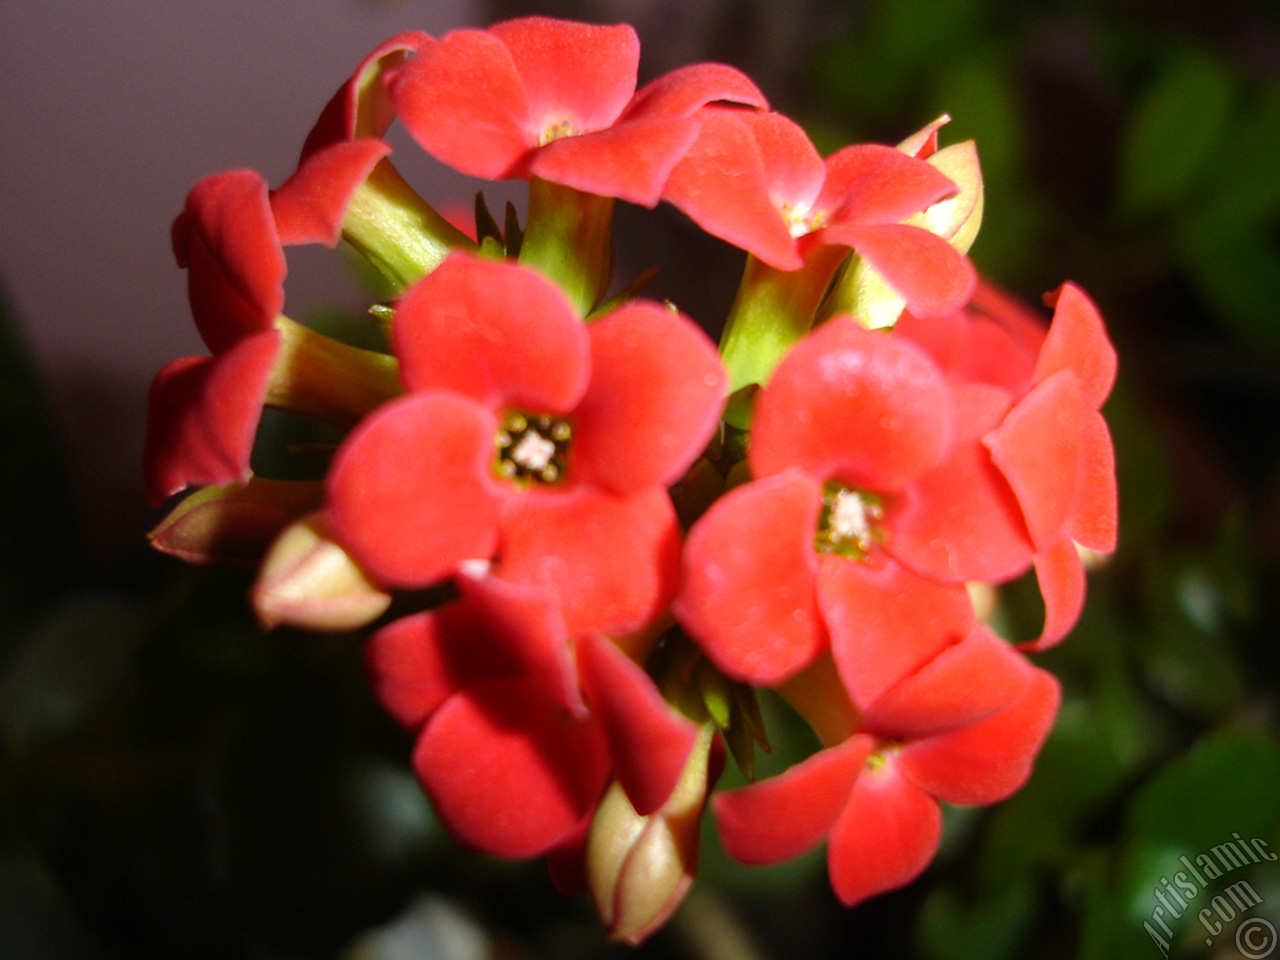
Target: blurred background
x=175 y=784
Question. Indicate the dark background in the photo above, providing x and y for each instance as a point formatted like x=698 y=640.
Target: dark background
x=176 y=784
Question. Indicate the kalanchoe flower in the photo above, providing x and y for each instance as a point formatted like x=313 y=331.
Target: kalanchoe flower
x=557 y=100
x=963 y=729
x=850 y=419
x=203 y=412
x=1041 y=446
x=518 y=726
x=530 y=438
x=755 y=180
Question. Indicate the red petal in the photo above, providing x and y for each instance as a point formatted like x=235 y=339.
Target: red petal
x=885 y=837
x=684 y=91
x=783 y=816
x=927 y=271
x=630 y=161
x=1093 y=522
x=494 y=331
x=411 y=665
x=1062 y=584
x=657 y=386
x=226 y=238
x=887 y=622
x=961 y=521
x=649 y=742
x=865 y=408
x=310 y=205
x=1078 y=341
x=508 y=771
x=202 y=414
x=722 y=186
x=963 y=683
x=411 y=492
x=362 y=107
x=793 y=170
x=988 y=760
x=613 y=561
x=494 y=629
x=581 y=72
x=462 y=99
x=872 y=184
x=1037 y=448
x=567 y=861
x=747 y=590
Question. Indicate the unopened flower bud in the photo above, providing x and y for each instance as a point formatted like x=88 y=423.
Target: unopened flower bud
x=307 y=580
x=640 y=868
x=234 y=523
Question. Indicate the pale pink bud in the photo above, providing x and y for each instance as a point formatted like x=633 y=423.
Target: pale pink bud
x=307 y=580
x=640 y=868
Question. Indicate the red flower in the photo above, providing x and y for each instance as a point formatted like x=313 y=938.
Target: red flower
x=848 y=422
x=755 y=180
x=203 y=412
x=1041 y=444
x=555 y=99
x=963 y=729
x=531 y=438
x=517 y=733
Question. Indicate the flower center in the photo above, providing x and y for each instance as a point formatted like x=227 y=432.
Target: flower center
x=846 y=524
x=532 y=449
x=800 y=221
x=554 y=131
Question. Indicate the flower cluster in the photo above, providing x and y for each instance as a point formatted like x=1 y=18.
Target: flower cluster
x=604 y=537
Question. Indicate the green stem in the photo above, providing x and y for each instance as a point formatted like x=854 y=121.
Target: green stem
x=772 y=310
x=396 y=230
x=567 y=238
x=329 y=381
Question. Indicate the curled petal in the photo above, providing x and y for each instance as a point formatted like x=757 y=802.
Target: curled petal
x=310 y=205
x=1060 y=574
x=649 y=742
x=656 y=389
x=202 y=414
x=226 y=239
x=873 y=184
x=497 y=332
x=362 y=106
x=461 y=98
x=1093 y=521
x=583 y=73
x=871 y=410
x=887 y=622
x=986 y=761
x=1078 y=341
x=1037 y=448
x=507 y=770
x=965 y=682
x=611 y=560
x=747 y=590
x=885 y=837
x=783 y=816
x=411 y=493
x=684 y=91
x=961 y=521
x=930 y=274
